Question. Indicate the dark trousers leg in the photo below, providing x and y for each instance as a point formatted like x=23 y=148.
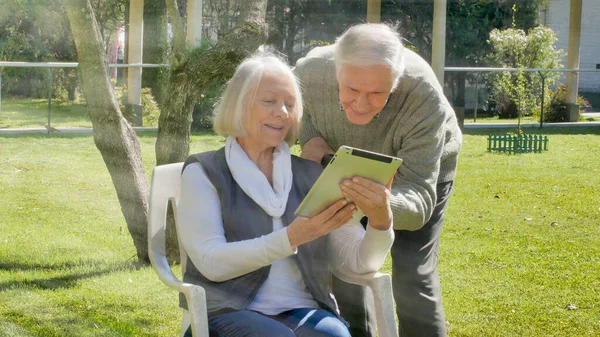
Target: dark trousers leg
x=415 y=279
x=355 y=307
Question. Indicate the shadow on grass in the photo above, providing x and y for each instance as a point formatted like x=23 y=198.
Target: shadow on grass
x=62 y=281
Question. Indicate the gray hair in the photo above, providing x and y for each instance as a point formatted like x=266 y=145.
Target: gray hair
x=370 y=44
x=239 y=94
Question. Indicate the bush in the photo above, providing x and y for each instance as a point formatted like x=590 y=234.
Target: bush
x=25 y=82
x=203 y=111
x=555 y=106
x=150 y=109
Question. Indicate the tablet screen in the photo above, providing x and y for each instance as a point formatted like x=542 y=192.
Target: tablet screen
x=346 y=163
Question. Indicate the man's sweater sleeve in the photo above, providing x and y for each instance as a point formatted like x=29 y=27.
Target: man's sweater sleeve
x=414 y=188
x=307 y=128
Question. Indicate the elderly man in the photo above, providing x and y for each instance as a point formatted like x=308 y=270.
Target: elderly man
x=369 y=92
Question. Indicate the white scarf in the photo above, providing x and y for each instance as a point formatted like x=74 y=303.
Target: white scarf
x=253 y=182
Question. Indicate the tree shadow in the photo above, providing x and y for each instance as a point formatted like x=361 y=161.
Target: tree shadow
x=62 y=281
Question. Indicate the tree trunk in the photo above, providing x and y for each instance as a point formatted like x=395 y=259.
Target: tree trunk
x=192 y=72
x=113 y=136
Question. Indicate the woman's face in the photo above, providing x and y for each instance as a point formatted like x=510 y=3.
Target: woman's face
x=364 y=91
x=271 y=113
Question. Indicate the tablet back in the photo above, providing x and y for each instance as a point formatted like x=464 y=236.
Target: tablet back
x=346 y=163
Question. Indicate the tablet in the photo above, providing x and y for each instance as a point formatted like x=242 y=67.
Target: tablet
x=346 y=163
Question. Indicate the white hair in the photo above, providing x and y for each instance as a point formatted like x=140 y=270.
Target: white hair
x=370 y=44
x=239 y=94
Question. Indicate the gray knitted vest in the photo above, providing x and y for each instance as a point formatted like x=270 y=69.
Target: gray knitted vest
x=238 y=211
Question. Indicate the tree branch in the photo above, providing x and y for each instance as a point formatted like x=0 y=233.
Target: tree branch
x=178 y=56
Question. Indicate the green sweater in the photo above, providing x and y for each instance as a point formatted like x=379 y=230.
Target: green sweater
x=417 y=124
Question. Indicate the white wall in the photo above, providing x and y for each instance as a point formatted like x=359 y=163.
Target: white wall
x=557 y=18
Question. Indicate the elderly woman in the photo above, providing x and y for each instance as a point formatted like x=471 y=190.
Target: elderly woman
x=265 y=271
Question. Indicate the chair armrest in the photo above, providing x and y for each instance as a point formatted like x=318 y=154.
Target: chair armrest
x=381 y=289
x=196 y=299
x=194 y=294
x=163 y=270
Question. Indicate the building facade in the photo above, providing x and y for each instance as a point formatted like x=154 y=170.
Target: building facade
x=556 y=16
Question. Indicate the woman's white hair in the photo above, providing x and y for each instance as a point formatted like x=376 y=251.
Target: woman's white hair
x=370 y=44
x=231 y=110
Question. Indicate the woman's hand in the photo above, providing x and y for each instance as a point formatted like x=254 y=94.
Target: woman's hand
x=303 y=230
x=372 y=198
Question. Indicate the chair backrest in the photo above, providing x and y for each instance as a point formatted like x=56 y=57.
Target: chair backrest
x=166 y=185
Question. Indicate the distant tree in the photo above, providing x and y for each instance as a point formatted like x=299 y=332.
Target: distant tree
x=219 y=16
x=296 y=26
x=468 y=25
x=517 y=93
x=110 y=16
x=38 y=31
x=34 y=31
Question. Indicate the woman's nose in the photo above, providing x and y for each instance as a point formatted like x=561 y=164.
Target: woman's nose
x=282 y=110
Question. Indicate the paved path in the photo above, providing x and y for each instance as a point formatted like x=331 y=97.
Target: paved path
x=66 y=130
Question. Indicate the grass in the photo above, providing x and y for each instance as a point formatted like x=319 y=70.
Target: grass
x=519 y=244
x=33 y=113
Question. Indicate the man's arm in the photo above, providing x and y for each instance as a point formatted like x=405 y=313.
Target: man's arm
x=314 y=146
x=413 y=194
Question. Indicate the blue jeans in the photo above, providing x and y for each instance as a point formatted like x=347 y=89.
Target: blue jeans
x=305 y=322
x=415 y=281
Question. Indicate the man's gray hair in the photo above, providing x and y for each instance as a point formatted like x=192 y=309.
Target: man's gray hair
x=370 y=44
x=232 y=108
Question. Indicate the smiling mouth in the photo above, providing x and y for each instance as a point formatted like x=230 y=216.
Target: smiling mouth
x=358 y=112
x=274 y=127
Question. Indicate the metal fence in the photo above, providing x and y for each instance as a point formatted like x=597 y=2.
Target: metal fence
x=543 y=73
x=49 y=65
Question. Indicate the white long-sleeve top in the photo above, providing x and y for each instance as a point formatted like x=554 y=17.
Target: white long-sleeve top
x=202 y=236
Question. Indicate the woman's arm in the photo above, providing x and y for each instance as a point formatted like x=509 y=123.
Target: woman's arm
x=201 y=233
x=361 y=251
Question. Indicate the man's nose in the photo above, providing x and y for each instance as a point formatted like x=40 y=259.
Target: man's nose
x=362 y=102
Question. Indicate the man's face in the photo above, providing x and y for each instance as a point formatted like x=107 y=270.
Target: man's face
x=363 y=91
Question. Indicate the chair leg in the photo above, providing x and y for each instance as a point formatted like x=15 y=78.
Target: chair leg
x=186 y=320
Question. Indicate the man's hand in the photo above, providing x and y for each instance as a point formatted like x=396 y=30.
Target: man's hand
x=315 y=149
x=372 y=198
x=303 y=230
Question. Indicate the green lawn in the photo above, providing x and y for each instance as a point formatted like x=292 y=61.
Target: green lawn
x=520 y=242
x=33 y=113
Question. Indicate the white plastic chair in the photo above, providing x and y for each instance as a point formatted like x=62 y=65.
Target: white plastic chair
x=166 y=181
